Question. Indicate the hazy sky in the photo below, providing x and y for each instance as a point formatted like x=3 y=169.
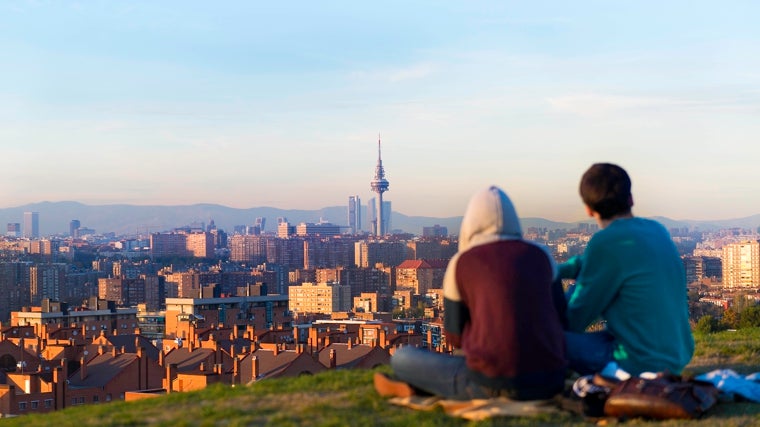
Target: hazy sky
x=264 y=103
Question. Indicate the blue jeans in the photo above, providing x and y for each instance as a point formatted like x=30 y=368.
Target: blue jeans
x=439 y=374
x=588 y=352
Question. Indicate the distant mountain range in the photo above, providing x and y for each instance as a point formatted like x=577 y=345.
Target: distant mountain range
x=134 y=219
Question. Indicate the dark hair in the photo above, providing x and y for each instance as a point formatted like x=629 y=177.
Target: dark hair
x=606 y=189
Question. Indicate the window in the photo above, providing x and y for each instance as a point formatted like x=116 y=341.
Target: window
x=48 y=403
x=81 y=400
x=35 y=404
x=73 y=401
x=108 y=397
x=22 y=406
x=95 y=399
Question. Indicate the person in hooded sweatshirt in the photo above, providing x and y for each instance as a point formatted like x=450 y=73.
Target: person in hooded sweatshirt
x=501 y=313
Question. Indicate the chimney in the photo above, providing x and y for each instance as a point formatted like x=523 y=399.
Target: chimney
x=276 y=350
x=101 y=350
x=142 y=360
x=84 y=331
x=171 y=373
x=235 y=370
x=64 y=369
x=333 y=361
x=254 y=368
x=190 y=346
x=161 y=358
x=350 y=343
x=114 y=351
x=202 y=367
x=82 y=369
x=59 y=382
x=383 y=338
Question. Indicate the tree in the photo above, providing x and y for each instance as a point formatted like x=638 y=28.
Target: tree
x=750 y=317
x=730 y=319
x=707 y=324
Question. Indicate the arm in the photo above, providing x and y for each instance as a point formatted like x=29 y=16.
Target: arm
x=570 y=268
x=453 y=324
x=456 y=312
x=596 y=285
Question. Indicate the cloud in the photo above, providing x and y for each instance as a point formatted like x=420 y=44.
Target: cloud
x=595 y=105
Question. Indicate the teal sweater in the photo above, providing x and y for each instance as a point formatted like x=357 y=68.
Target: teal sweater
x=632 y=276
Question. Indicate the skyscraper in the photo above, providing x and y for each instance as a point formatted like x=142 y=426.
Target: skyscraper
x=372 y=211
x=379 y=185
x=741 y=265
x=74 y=228
x=31 y=225
x=13 y=229
x=354 y=214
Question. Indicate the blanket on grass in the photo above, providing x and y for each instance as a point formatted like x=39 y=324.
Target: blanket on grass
x=478 y=409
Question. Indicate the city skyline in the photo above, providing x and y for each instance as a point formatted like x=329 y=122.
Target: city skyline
x=246 y=105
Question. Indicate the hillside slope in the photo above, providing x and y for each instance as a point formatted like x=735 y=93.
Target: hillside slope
x=347 y=398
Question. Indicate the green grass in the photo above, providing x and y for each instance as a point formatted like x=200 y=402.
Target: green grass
x=738 y=350
x=347 y=398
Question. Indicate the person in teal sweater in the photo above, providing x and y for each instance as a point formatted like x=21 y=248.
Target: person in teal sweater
x=631 y=276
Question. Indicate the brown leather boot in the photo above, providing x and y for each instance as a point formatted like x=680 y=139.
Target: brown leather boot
x=388 y=387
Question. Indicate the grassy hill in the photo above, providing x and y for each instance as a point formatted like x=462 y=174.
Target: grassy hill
x=347 y=398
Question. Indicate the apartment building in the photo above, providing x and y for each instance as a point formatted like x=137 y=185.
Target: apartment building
x=741 y=265
x=322 y=298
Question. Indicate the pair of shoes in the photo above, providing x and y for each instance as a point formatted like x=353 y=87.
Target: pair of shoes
x=388 y=387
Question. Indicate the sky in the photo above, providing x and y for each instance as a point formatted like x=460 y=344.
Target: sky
x=281 y=104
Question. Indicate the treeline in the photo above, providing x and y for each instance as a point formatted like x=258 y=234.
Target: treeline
x=706 y=317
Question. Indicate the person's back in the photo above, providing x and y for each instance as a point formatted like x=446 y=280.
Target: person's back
x=498 y=308
x=632 y=276
x=643 y=299
x=512 y=339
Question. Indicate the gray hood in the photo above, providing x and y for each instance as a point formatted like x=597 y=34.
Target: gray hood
x=490 y=216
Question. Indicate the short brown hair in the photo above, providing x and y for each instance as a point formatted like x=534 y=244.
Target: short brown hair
x=606 y=189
